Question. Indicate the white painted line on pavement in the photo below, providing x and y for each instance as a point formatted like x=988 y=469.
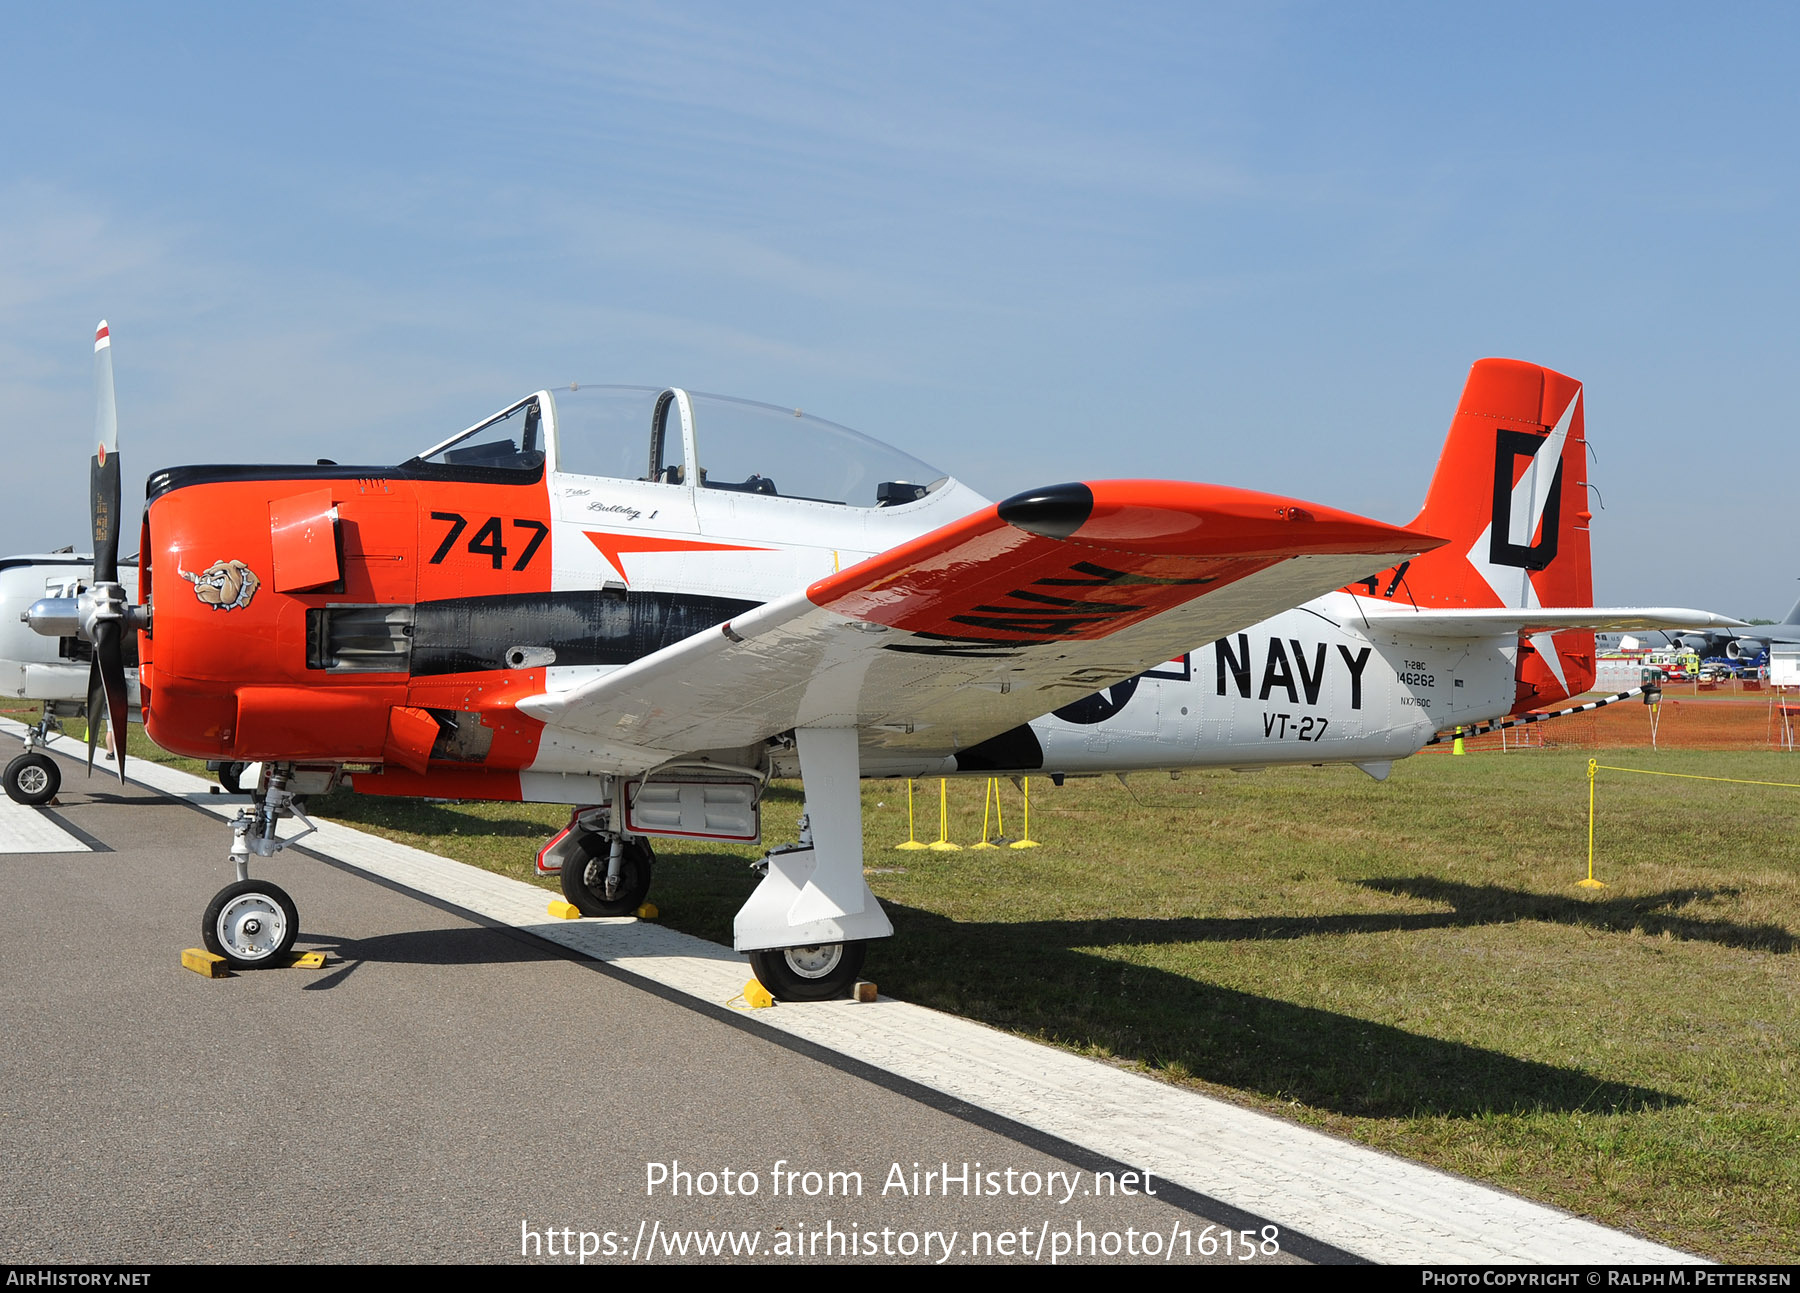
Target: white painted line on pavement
x=31 y=830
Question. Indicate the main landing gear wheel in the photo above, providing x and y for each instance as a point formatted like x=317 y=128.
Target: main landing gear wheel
x=229 y=776
x=250 y=924
x=33 y=779
x=584 y=877
x=815 y=973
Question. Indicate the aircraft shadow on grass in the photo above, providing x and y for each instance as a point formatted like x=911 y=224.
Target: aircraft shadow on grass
x=1473 y=906
x=1655 y=913
x=1041 y=978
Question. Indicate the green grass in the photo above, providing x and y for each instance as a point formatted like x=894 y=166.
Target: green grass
x=1409 y=964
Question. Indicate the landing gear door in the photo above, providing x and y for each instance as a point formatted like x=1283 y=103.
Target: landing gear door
x=697 y=807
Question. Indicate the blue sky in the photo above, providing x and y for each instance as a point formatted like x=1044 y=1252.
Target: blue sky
x=1254 y=244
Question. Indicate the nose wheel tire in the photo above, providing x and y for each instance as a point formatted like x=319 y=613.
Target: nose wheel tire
x=33 y=779
x=584 y=877
x=250 y=924
x=815 y=973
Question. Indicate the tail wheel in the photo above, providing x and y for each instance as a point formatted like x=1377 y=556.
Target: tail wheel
x=815 y=973
x=33 y=779
x=251 y=924
x=584 y=876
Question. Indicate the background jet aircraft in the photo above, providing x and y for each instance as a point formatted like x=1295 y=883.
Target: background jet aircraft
x=1747 y=643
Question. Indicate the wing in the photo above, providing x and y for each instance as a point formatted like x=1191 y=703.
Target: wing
x=989 y=622
x=1437 y=623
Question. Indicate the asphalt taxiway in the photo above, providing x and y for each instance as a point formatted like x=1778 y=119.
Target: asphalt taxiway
x=468 y=1072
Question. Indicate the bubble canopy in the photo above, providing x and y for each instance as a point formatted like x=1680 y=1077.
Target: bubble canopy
x=676 y=437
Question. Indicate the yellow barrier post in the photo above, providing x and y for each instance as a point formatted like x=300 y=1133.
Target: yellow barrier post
x=943 y=844
x=990 y=794
x=1025 y=841
x=1456 y=746
x=1590 y=882
x=912 y=841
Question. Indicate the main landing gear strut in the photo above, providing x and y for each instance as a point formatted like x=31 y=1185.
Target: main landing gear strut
x=249 y=922
x=807 y=925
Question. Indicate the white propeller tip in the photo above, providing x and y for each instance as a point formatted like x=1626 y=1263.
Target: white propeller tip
x=102 y=337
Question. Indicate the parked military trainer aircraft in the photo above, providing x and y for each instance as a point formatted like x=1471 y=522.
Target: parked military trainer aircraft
x=61 y=673
x=646 y=603
x=53 y=671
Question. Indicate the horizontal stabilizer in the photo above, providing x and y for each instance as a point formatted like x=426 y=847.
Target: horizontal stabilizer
x=1438 y=623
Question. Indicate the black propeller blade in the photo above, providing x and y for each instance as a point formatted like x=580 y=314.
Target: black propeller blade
x=106 y=675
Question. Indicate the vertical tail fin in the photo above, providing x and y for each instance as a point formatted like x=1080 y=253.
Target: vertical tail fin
x=1510 y=493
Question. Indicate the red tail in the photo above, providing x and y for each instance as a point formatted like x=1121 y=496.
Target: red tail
x=1510 y=493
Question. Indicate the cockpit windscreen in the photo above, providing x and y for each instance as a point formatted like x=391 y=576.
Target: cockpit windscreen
x=639 y=433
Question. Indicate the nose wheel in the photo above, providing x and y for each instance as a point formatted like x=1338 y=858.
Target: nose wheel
x=32 y=779
x=251 y=924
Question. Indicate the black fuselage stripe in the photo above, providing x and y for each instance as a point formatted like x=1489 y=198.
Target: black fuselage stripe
x=587 y=627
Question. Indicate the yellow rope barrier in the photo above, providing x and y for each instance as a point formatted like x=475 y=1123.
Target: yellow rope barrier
x=1694 y=776
x=1595 y=766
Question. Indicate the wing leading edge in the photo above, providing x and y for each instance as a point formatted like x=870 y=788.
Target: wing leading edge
x=990 y=621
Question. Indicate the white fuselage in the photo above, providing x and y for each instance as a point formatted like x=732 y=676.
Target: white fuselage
x=1307 y=686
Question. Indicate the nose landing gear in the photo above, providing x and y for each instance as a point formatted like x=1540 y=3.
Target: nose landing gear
x=34 y=778
x=252 y=923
